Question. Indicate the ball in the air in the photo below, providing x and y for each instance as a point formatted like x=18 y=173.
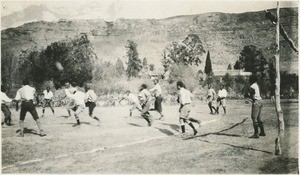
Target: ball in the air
x=59 y=66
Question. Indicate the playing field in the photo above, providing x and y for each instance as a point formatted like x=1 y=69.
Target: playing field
x=122 y=145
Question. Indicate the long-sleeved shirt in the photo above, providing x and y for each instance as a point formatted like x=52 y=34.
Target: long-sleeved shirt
x=25 y=93
x=185 y=96
x=5 y=98
x=78 y=97
x=144 y=96
x=157 y=90
x=131 y=98
x=90 y=96
x=211 y=92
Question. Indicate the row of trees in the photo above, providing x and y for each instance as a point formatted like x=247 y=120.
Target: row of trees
x=76 y=57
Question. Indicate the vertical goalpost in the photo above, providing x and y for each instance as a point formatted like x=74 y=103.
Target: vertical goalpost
x=279 y=112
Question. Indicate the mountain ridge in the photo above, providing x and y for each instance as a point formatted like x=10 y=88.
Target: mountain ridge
x=224 y=35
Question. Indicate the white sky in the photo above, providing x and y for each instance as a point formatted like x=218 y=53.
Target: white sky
x=112 y=9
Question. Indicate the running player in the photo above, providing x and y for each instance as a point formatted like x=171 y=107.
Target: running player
x=158 y=98
x=48 y=96
x=4 y=107
x=144 y=97
x=133 y=100
x=71 y=89
x=185 y=99
x=221 y=100
x=211 y=95
x=26 y=94
x=90 y=98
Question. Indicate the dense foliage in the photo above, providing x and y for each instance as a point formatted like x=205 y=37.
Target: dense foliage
x=134 y=64
x=75 y=57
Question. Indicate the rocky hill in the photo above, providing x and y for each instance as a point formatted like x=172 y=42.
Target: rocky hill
x=224 y=35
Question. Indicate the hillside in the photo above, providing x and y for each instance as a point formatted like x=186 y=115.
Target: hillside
x=224 y=35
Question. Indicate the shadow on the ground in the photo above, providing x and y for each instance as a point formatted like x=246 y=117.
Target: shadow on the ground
x=165 y=131
x=231 y=135
x=224 y=134
x=172 y=126
x=86 y=123
x=28 y=131
x=280 y=165
x=133 y=124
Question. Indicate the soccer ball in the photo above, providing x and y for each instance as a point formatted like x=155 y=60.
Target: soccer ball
x=59 y=66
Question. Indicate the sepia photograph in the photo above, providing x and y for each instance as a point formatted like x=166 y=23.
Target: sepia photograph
x=149 y=87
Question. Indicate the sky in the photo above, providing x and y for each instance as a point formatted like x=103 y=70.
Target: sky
x=113 y=9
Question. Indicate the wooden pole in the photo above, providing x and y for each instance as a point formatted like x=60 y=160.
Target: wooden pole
x=277 y=92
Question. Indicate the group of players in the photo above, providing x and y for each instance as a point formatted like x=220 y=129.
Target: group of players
x=78 y=100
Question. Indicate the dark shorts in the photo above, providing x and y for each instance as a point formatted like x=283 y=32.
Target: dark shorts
x=28 y=106
x=6 y=111
x=47 y=102
x=91 y=106
x=146 y=108
x=157 y=103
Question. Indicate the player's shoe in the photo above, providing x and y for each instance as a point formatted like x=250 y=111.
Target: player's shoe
x=195 y=132
x=43 y=134
x=255 y=136
x=262 y=134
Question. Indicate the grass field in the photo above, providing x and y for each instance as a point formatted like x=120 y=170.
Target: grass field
x=128 y=145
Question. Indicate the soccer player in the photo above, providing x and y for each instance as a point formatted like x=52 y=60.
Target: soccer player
x=144 y=97
x=256 y=107
x=221 y=100
x=133 y=100
x=185 y=99
x=211 y=95
x=90 y=98
x=71 y=89
x=48 y=96
x=26 y=94
x=4 y=107
x=158 y=98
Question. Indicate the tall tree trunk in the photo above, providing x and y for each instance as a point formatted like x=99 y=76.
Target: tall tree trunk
x=277 y=93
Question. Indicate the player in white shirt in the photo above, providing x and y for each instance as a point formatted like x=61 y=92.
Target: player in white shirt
x=144 y=97
x=48 y=96
x=185 y=99
x=221 y=100
x=158 y=98
x=4 y=107
x=133 y=100
x=26 y=94
x=90 y=101
x=256 y=107
x=211 y=96
x=78 y=104
x=71 y=88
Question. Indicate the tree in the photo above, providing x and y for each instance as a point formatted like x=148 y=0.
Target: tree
x=145 y=63
x=120 y=70
x=187 y=52
x=134 y=64
x=151 y=67
x=251 y=59
x=228 y=81
x=229 y=67
x=237 y=65
x=208 y=66
x=75 y=56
